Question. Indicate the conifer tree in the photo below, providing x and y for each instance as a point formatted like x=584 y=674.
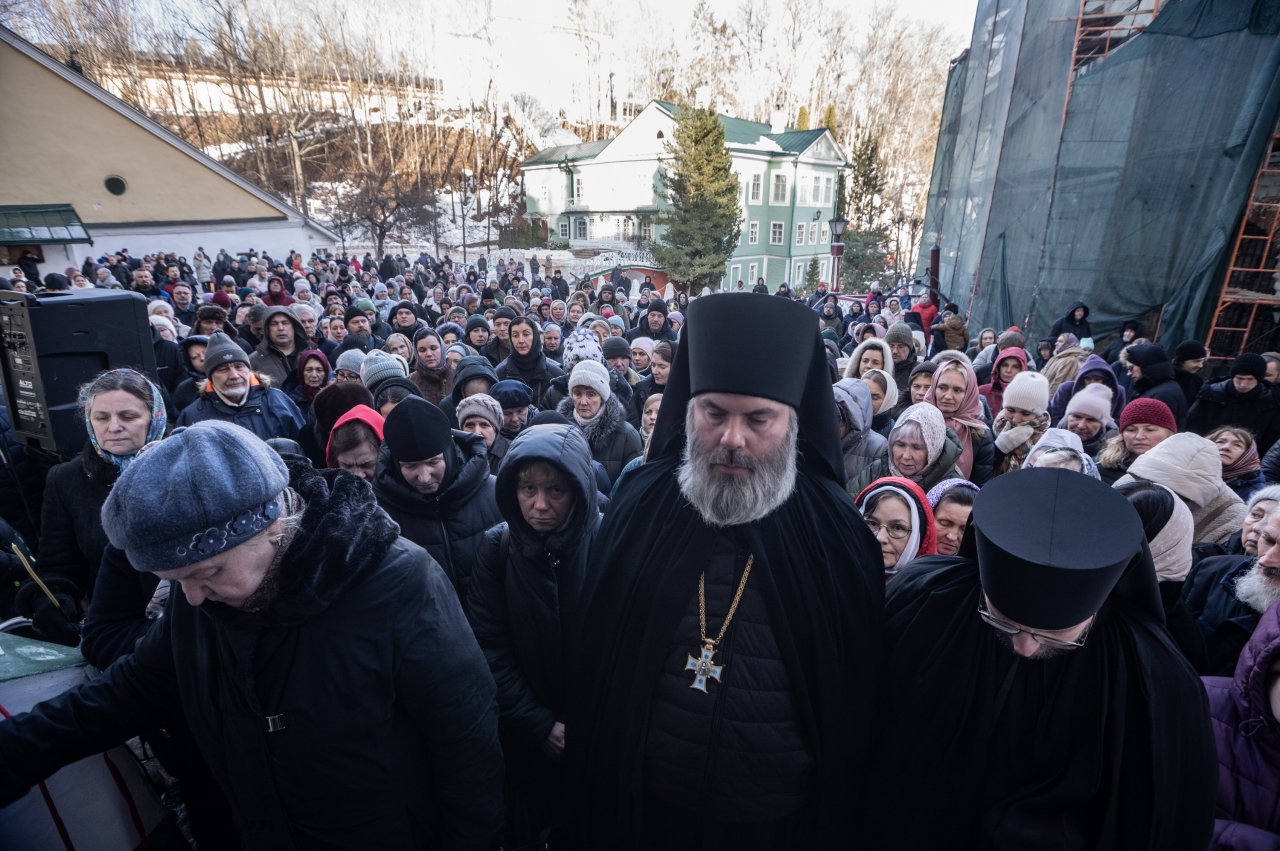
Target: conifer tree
x=705 y=221
x=802 y=118
x=829 y=120
x=811 y=276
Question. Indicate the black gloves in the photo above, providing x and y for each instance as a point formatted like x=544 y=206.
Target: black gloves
x=59 y=625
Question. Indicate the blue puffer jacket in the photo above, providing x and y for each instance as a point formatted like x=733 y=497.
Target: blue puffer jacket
x=267 y=412
x=1248 y=738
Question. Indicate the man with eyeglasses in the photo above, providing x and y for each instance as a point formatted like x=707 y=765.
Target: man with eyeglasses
x=1035 y=698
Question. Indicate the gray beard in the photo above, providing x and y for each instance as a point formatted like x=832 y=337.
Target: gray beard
x=733 y=501
x=1256 y=591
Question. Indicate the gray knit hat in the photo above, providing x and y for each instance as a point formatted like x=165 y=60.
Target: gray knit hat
x=350 y=360
x=480 y=405
x=207 y=488
x=222 y=350
x=378 y=366
x=900 y=332
x=588 y=373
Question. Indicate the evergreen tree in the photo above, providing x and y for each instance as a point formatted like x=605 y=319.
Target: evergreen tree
x=811 y=276
x=867 y=183
x=704 y=222
x=802 y=118
x=829 y=120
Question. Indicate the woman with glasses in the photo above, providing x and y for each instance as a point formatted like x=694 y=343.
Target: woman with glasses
x=897 y=512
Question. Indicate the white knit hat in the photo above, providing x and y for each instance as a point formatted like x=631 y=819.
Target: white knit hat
x=1092 y=400
x=1029 y=391
x=588 y=373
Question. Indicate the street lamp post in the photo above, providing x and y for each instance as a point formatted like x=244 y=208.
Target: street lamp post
x=837 y=224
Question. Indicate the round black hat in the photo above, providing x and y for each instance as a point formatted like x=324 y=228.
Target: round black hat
x=1052 y=544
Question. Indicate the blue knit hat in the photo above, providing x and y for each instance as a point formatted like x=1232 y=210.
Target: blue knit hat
x=208 y=488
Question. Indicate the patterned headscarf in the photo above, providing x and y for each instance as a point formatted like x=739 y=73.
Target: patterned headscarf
x=967 y=416
x=155 y=431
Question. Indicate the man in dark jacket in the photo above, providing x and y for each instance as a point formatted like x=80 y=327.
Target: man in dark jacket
x=1246 y=718
x=902 y=346
x=234 y=394
x=435 y=483
x=1151 y=372
x=743 y=724
x=524 y=599
x=655 y=325
x=1075 y=322
x=1031 y=658
x=276 y=357
x=321 y=661
x=1245 y=399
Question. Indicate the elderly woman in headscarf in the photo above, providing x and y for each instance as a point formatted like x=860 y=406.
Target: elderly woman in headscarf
x=898 y=514
x=1061 y=448
x=952 y=504
x=1241 y=467
x=314 y=374
x=921 y=448
x=954 y=392
x=123 y=411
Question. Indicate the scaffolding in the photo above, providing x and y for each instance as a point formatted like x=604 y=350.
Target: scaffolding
x=1104 y=25
x=1247 y=317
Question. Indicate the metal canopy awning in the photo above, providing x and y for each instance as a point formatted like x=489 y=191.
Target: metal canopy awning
x=41 y=224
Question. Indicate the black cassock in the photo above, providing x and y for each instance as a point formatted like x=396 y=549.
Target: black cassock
x=1105 y=747
x=821 y=574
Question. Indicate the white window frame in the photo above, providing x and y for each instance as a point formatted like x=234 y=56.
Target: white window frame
x=777 y=233
x=799 y=270
x=813 y=233
x=579 y=191
x=753 y=272
x=580 y=227
x=753 y=233
x=564 y=230
x=802 y=190
x=756 y=191
x=735 y=272
x=828 y=186
x=800 y=234
x=646 y=230
x=826 y=235
x=779 y=182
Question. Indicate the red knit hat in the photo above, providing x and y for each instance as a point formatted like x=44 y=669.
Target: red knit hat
x=1147 y=412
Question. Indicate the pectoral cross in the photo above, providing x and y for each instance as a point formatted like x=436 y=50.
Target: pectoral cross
x=703 y=667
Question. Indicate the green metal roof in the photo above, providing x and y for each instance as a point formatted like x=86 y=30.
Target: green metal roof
x=41 y=224
x=569 y=153
x=742 y=134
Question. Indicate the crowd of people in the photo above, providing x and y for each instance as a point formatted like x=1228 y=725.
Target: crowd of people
x=407 y=554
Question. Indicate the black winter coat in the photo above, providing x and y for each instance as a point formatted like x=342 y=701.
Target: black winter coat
x=72 y=538
x=523 y=602
x=1224 y=622
x=1163 y=387
x=451 y=522
x=613 y=441
x=354 y=711
x=1219 y=404
x=1066 y=324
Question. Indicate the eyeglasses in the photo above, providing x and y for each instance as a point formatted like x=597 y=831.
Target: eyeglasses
x=897 y=531
x=1041 y=639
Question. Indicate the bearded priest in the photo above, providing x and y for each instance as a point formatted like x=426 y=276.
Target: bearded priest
x=723 y=692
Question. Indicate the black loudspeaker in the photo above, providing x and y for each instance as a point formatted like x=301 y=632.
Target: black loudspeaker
x=55 y=342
